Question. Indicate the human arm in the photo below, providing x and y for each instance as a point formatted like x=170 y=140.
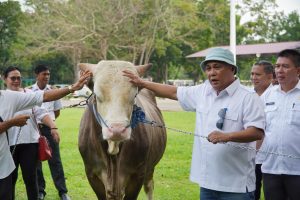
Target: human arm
x=250 y=134
x=161 y=90
x=19 y=120
x=51 y=95
x=53 y=128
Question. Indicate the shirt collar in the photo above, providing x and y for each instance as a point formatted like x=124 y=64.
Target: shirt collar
x=296 y=87
x=36 y=87
x=229 y=90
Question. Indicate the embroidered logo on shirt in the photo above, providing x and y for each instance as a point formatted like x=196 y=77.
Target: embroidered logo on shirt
x=270 y=103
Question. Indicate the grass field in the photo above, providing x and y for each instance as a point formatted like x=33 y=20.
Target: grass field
x=171 y=174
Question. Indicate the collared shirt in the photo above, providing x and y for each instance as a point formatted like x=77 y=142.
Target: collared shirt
x=260 y=156
x=49 y=106
x=28 y=133
x=282 y=133
x=219 y=166
x=11 y=102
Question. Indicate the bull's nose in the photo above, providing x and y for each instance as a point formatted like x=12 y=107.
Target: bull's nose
x=117 y=128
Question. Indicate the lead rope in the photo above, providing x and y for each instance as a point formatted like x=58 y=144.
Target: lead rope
x=139 y=116
x=153 y=123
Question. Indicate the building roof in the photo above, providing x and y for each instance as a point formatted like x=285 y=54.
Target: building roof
x=254 y=49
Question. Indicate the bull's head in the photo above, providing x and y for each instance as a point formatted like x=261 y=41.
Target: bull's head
x=115 y=97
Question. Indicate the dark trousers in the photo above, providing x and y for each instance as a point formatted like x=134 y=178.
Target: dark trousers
x=258 y=175
x=281 y=187
x=25 y=156
x=55 y=165
x=6 y=188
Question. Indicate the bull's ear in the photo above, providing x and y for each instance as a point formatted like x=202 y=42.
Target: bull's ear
x=91 y=68
x=142 y=69
x=87 y=66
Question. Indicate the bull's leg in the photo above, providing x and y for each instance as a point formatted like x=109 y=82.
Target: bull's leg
x=149 y=187
x=133 y=188
x=97 y=186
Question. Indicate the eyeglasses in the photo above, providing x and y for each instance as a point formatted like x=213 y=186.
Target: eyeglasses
x=14 y=78
x=221 y=114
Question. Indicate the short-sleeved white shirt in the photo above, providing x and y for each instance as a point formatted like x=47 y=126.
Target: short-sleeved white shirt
x=11 y=102
x=218 y=166
x=29 y=132
x=50 y=106
x=260 y=154
x=282 y=132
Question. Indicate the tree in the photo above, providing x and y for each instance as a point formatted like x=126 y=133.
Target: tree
x=289 y=29
x=10 y=16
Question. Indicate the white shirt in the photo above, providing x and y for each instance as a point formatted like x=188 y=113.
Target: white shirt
x=28 y=133
x=49 y=106
x=11 y=102
x=260 y=156
x=282 y=133
x=218 y=166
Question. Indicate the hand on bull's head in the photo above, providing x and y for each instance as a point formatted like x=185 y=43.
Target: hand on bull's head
x=83 y=79
x=83 y=67
x=136 y=78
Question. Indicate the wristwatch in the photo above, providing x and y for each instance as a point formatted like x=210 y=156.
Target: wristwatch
x=71 y=90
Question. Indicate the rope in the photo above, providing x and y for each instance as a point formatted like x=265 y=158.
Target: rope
x=139 y=116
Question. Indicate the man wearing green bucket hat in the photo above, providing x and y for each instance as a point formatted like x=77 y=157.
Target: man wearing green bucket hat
x=229 y=119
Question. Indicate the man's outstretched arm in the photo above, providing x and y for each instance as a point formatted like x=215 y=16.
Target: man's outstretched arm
x=160 y=90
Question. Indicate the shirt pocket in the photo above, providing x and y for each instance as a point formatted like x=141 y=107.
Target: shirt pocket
x=270 y=112
x=294 y=115
x=231 y=121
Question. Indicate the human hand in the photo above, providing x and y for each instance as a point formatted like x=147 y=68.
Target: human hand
x=20 y=120
x=84 y=78
x=133 y=78
x=55 y=135
x=218 y=137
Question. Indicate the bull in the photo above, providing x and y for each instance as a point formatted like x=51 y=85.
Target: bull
x=119 y=159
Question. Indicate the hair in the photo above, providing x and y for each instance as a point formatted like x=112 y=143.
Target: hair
x=40 y=68
x=292 y=54
x=268 y=67
x=9 y=69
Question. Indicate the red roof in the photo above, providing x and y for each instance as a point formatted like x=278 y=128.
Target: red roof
x=256 y=49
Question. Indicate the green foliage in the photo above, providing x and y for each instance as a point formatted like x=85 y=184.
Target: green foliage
x=10 y=18
x=60 y=67
x=290 y=28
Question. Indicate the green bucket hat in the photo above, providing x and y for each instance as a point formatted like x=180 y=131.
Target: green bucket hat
x=219 y=54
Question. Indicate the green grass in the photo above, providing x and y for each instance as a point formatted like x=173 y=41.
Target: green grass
x=171 y=179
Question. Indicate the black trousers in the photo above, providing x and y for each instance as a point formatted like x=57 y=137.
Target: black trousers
x=6 y=188
x=55 y=165
x=25 y=156
x=258 y=175
x=281 y=187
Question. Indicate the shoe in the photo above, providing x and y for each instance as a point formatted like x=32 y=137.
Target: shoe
x=65 y=196
x=41 y=196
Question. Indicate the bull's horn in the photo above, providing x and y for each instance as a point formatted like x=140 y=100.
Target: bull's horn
x=142 y=69
x=87 y=66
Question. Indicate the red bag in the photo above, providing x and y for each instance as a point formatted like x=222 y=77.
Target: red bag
x=45 y=151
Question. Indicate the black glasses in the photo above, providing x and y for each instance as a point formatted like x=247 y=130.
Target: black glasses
x=221 y=114
x=14 y=78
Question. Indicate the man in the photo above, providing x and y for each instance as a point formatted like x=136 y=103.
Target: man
x=281 y=174
x=10 y=103
x=226 y=112
x=262 y=74
x=42 y=79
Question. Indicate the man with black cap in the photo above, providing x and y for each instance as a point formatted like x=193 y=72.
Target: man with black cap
x=229 y=116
